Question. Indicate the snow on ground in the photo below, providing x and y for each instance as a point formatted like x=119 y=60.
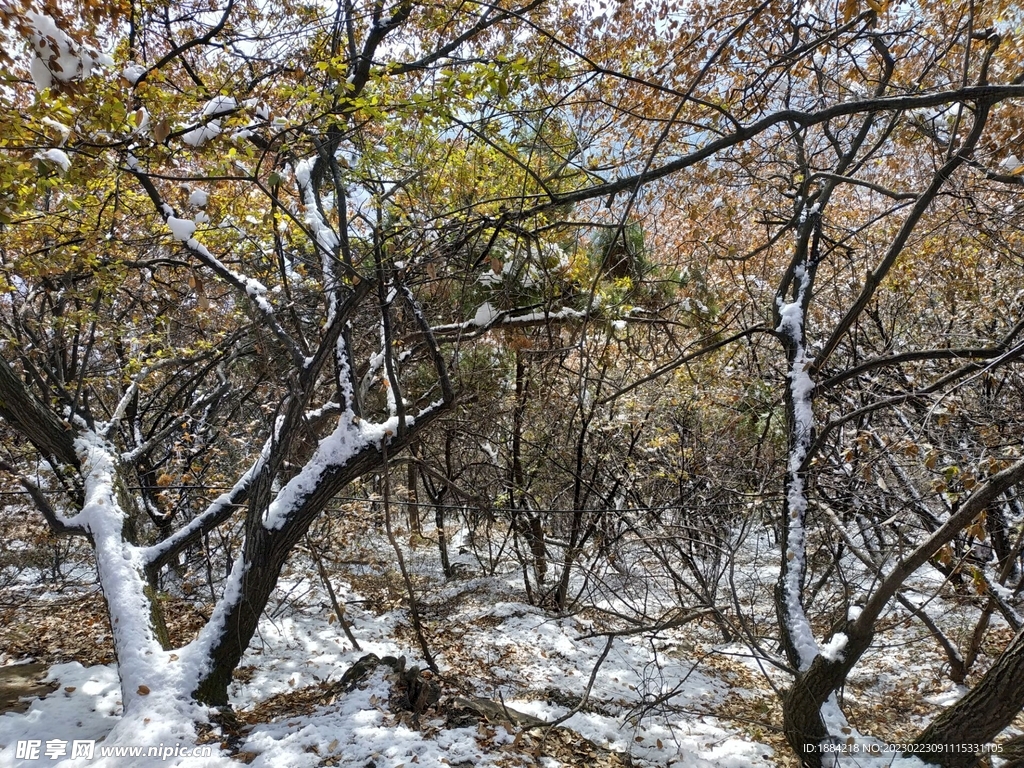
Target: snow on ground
x=303 y=650
x=680 y=698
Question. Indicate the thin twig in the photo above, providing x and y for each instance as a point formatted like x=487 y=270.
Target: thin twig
x=586 y=693
x=414 y=612
x=339 y=609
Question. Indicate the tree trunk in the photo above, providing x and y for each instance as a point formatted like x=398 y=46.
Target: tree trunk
x=978 y=717
x=262 y=561
x=413 y=500
x=803 y=725
x=39 y=424
x=442 y=539
x=263 y=556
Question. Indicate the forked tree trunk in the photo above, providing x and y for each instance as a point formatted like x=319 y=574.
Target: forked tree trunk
x=225 y=639
x=974 y=720
x=801 y=707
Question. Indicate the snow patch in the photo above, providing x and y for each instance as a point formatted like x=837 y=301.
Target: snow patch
x=202 y=134
x=57 y=57
x=181 y=229
x=485 y=314
x=56 y=156
x=133 y=72
x=834 y=648
x=218 y=105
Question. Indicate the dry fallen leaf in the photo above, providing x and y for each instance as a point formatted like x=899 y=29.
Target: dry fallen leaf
x=161 y=130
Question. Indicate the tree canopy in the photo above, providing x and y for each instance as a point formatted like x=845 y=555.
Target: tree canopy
x=764 y=258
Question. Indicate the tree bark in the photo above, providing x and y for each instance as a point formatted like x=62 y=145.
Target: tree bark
x=18 y=406
x=264 y=555
x=801 y=707
x=803 y=726
x=413 y=509
x=988 y=708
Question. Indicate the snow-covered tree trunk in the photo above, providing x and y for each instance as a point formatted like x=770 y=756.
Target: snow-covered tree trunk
x=155 y=681
x=797 y=638
x=271 y=532
x=811 y=700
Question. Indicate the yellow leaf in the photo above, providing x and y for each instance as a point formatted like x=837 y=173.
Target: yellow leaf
x=979 y=581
